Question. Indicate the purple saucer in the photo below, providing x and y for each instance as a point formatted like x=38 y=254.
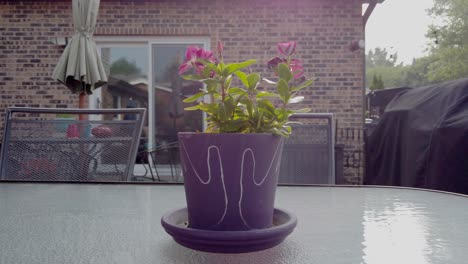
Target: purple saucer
x=175 y=224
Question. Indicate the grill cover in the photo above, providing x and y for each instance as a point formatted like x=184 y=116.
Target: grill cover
x=422 y=139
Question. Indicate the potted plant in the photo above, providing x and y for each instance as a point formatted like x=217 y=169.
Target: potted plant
x=231 y=170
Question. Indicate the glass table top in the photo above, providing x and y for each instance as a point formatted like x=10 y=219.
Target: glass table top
x=120 y=223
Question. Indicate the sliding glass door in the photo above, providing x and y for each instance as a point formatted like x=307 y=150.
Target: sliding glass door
x=143 y=72
x=169 y=92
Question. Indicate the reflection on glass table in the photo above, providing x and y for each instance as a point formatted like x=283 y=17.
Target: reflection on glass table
x=162 y=163
x=120 y=223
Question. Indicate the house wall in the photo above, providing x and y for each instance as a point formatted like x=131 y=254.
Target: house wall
x=249 y=28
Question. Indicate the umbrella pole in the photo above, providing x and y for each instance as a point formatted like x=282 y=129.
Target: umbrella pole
x=81 y=104
x=83 y=166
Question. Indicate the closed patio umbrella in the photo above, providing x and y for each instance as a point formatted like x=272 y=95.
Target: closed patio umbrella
x=80 y=67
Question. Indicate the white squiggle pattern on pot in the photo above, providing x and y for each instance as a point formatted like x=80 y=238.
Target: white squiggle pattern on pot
x=209 y=174
x=253 y=177
x=247 y=150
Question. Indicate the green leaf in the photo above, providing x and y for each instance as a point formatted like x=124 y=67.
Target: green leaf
x=229 y=106
x=303 y=85
x=233 y=126
x=192 y=108
x=194 y=97
x=208 y=108
x=283 y=114
x=284 y=72
x=233 y=67
x=296 y=99
x=248 y=105
x=228 y=81
x=266 y=105
x=259 y=121
x=253 y=80
x=236 y=90
x=211 y=85
x=220 y=68
x=243 y=77
x=283 y=90
x=263 y=94
x=192 y=77
x=222 y=115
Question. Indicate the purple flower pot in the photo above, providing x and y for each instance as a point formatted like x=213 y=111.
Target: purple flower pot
x=230 y=179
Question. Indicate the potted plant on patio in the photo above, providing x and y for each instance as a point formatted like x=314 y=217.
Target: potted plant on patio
x=231 y=170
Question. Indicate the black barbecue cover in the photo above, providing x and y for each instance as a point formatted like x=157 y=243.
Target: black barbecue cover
x=422 y=139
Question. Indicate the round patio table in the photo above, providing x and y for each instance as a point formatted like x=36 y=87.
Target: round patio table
x=120 y=223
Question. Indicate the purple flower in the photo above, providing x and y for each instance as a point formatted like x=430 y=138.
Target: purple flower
x=287 y=48
x=273 y=63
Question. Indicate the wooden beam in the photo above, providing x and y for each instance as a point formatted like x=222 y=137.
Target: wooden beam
x=369 y=10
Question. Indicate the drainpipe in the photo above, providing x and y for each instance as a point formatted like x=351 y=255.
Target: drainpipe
x=365 y=17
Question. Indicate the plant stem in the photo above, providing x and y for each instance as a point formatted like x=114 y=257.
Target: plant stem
x=223 y=92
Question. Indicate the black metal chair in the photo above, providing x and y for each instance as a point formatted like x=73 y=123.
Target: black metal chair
x=53 y=144
x=162 y=162
x=308 y=154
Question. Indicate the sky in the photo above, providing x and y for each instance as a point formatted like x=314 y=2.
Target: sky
x=400 y=26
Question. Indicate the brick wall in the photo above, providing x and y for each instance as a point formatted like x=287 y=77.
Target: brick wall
x=249 y=28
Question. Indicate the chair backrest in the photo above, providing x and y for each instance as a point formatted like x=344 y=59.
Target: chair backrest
x=52 y=144
x=308 y=154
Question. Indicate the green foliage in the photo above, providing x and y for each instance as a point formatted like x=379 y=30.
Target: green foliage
x=448 y=64
x=398 y=75
x=416 y=74
x=377 y=83
x=246 y=109
x=381 y=68
x=380 y=58
x=123 y=66
x=450 y=40
x=390 y=76
x=448 y=53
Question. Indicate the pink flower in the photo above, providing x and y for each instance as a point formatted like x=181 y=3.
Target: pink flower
x=287 y=48
x=220 y=47
x=190 y=59
x=205 y=55
x=296 y=68
x=193 y=54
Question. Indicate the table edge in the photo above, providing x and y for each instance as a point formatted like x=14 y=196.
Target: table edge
x=279 y=185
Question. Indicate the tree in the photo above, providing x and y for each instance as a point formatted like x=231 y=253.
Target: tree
x=381 y=84
x=384 y=67
x=397 y=75
x=416 y=74
x=123 y=66
x=449 y=48
x=380 y=57
x=377 y=83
